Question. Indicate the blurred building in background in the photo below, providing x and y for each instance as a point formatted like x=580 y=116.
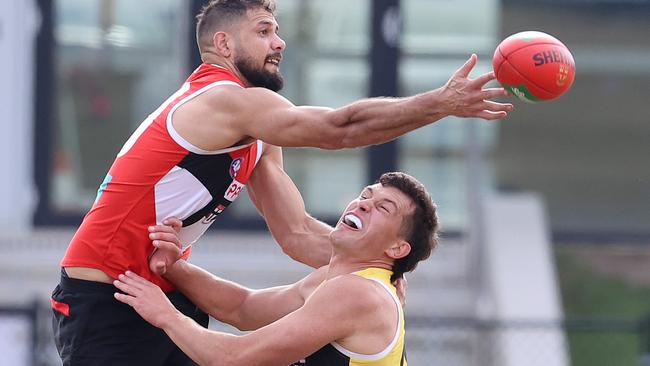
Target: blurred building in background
x=80 y=75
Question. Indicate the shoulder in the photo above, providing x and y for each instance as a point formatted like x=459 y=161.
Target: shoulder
x=236 y=97
x=353 y=293
x=346 y=306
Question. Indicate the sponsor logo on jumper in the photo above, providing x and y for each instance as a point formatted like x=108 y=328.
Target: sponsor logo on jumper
x=209 y=218
x=235 y=166
x=233 y=191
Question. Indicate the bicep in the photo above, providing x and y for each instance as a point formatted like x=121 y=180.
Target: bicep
x=304 y=126
x=268 y=116
x=300 y=333
x=265 y=306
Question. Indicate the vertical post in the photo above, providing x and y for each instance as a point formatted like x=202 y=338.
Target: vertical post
x=44 y=111
x=193 y=56
x=33 y=313
x=475 y=235
x=384 y=61
x=475 y=197
x=644 y=335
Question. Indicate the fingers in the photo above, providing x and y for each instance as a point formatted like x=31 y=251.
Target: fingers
x=162 y=229
x=467 y=66
x=174 y=222
x=132 y=280
x=167 y=246
x=491 y=116
x=490 y=110
x=401 y=286
x=128 y=289
x=129 y=300
x=131 y=276
x=491 y=93
x=131 y=283
x=161 y=237
x=485 y=78
x=497 y=107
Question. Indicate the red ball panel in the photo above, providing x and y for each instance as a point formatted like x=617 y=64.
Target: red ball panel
x=534 y=66
x=497 y=60
x=548 y=66
x=524 y=39
x=518 y=85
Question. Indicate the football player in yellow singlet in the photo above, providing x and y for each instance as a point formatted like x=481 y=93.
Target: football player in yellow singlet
x=345 y=313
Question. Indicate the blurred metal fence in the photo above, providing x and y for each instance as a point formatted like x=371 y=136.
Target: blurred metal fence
x=26 y=340
x=586 y=341
x=19 y=335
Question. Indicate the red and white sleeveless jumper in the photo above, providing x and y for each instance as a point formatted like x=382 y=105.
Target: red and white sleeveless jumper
x=156 y=175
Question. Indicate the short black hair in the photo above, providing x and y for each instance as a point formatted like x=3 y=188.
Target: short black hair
x=420 y=228
x=218 y=13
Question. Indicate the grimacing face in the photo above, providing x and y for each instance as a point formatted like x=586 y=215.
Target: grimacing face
x=373 y=221
x=259 y=50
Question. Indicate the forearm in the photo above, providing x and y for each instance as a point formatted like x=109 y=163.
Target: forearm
x=305 y=240
x=301 y=236
x=231 y=303
x=312 y=246
x=218 y=297
x=377 y=120
x=204 y=346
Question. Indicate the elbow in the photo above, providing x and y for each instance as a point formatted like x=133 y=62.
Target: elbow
x=233 y=315
x=228 y=318
x=242 y=321
x=332 y=133
x=337 y=138
x=289 y=245
x=294 y=247
x=348 y=136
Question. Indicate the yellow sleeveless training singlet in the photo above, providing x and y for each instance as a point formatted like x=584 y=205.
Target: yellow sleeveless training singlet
x=334 y=354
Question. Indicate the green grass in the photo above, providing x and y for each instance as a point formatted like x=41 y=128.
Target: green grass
x=586 y=293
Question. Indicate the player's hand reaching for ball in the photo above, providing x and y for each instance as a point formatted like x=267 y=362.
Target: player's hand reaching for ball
x=146 y=298
x=165 y=238
x=465 y=97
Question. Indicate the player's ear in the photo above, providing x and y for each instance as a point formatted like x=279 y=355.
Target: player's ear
x=399 y=249
x=222 y=43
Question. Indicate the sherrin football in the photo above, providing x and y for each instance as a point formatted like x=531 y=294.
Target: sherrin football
x=534 y=66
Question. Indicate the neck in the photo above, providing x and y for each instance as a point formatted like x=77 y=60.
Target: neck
x=340 y=265
x=211 y=58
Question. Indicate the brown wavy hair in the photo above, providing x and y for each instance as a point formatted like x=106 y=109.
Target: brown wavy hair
x=218 y=14
x=420 y=228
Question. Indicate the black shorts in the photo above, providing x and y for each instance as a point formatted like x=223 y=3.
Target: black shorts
x=92 y=328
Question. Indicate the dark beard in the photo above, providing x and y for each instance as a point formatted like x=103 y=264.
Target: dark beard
x=259 y=77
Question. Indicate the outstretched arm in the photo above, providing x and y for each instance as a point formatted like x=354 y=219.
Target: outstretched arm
x=374 y=120
x=301 y=236
x=238 y=113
